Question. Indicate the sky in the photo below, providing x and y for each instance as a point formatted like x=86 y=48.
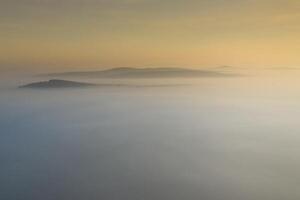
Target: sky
x=52 y=35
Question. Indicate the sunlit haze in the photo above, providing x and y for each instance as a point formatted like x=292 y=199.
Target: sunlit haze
x=149 y=99
x=94 y=34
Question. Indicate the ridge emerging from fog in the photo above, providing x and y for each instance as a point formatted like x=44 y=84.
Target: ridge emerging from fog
x=128 y=72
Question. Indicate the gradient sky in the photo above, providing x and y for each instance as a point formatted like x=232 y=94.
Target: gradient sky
x=91 y=34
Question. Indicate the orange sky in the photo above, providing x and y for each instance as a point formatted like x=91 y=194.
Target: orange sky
x=94 y=34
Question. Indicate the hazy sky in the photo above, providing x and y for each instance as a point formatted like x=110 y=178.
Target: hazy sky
x=90 y=34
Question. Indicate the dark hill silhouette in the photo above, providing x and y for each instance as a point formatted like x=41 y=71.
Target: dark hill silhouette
x=127 y=72
x=56 y=83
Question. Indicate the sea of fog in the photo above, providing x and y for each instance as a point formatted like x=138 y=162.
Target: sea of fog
x=232 y=138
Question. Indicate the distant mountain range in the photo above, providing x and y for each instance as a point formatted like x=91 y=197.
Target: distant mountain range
x=56 y=83
x=127 y=72
x=123 y=72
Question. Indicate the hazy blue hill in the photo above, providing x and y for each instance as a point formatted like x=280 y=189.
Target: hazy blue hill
x=55 y=83
x=126 y=72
